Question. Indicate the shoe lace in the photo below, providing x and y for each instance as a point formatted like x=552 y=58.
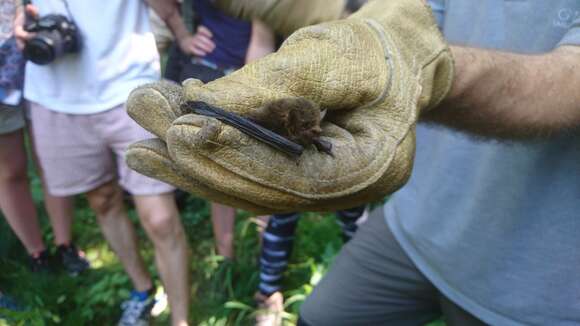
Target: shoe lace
x=132 y=311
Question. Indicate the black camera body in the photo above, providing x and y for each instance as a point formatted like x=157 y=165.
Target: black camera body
x=56 y=35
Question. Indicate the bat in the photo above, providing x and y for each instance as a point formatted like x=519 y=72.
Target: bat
x=246 y=126
x=287 y=124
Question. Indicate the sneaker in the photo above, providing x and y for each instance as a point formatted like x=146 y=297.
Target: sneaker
x=41 y=263
x=270 y=309
x=137 y=310
x=8 y=306
x=72 y=259
x=7 y=303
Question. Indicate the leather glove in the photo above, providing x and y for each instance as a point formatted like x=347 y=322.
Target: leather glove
x=285 y=16
x=374 y=72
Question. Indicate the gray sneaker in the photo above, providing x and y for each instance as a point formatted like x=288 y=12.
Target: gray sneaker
x=136 y=312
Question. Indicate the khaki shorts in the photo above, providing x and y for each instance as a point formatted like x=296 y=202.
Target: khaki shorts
x=79 y=153
x=11 y=119
x=373 y=282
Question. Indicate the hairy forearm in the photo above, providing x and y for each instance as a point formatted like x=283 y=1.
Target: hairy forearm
x=512 y=96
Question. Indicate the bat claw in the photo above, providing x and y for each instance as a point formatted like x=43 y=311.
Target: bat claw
x=323 y=146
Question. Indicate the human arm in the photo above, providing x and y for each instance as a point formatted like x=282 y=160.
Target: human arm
x=20 y=34
x=512 y=96
x=285 y=16
x=262 y=41
x=198 y=44
x=168 y=11
x=495 y=94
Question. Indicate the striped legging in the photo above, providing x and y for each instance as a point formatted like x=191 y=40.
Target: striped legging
x=278 y=241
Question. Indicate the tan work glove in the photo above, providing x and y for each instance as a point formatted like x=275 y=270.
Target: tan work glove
x=285 y=16
x=374 y=73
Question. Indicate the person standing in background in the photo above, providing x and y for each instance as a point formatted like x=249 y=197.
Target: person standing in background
x=15 y=198
x=81 y=131
x=221 y=45
x=277 y=245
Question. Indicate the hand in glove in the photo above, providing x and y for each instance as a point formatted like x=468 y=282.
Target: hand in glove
x=374 y=73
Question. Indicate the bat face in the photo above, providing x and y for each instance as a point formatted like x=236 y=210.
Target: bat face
x=298 y=118
x=305 y=131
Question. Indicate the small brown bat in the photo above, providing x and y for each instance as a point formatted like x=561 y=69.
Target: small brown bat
x=295 y=118
x=286 y=124
x=245 y=125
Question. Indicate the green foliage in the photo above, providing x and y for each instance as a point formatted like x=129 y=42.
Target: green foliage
x=222 y=292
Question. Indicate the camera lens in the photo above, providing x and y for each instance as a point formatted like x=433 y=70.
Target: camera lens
x=55 y=36
x=45 y=47
x=39 y=51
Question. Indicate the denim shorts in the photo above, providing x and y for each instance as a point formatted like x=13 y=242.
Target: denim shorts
x=11 y=119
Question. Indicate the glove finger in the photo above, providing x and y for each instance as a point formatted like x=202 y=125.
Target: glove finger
x=191 y=138
x=245 y=168
x=154 y=106
x=236 y=95
x=150 y=157
x=396 y=175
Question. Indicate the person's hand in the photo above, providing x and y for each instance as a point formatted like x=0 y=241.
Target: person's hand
x=19 y=33
x=200 y=44
x=374 y=72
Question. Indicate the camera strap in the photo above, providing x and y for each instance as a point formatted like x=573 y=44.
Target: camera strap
x=68 y=10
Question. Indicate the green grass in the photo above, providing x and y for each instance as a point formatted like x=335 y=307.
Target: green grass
x=94 y=297
x=221 y=294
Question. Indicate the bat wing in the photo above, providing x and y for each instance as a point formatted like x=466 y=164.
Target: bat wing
x=246 y=126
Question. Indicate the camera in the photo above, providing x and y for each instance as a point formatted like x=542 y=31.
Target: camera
x=56 y=35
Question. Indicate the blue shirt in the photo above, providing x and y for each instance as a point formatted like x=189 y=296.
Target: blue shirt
x=11 y=60
x=230 y=35
x=495 y=225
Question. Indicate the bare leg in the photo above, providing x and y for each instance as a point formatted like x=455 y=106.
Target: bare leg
x=160 y=219
x=107 y=202
x=223 y=220
x=15 y=197
x=60 y=209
